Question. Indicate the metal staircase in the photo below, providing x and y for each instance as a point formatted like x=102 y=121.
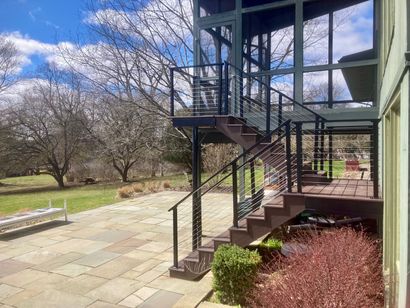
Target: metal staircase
x=260 y=189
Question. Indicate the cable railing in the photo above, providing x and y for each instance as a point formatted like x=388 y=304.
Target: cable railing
x=299 y=148
x=196 y=90
x=232 y=193
x=338 y=160
x=224 y=89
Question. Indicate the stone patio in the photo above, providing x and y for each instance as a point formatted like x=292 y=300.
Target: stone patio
x=113 y=256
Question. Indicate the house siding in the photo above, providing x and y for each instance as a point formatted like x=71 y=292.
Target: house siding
x=394 y=112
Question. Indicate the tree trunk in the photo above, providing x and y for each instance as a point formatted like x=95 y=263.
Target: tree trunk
x=124 y=176
x=60 y=180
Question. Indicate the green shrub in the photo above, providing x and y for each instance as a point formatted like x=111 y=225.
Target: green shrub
x=272 y=244
x=234 y=270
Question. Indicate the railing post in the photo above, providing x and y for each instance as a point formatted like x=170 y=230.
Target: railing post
x=175 y=235
x=268 y=111
x=226 y=91
x=288 y=158
x=330 y=154
x=196 y=98
x=235 y=193
x=316 y=145
x=299 y=156
x=375 y=162
x=172 y=98
x=238 y=85
x=220 y=89
x=196 y=184
x=322 y=146
x=253 y=185
x=280 y=111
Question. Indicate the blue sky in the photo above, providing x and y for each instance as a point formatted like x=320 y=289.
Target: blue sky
x=37 y=26
x=41 y=19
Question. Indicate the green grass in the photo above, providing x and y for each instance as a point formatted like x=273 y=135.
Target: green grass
x=31 y=192
x=338 y=167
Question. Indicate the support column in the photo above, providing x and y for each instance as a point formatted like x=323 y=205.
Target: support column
x=374 y=160
x=330 y=154
x=298 y=84
x=241 y=175
x=196 y=183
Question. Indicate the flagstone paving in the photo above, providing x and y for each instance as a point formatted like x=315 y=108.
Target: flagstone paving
x=113 y=256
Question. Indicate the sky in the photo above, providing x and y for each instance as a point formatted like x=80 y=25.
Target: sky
x=37 y=27
x=41 y=21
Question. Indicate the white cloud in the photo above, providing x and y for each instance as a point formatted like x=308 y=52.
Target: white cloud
x=28 y=47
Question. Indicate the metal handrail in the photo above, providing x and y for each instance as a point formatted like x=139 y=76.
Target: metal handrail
x=229 y=164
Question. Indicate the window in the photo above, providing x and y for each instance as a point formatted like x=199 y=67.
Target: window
x=211 y=7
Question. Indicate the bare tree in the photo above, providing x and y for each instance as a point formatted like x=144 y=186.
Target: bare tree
x=9 y=63
x=50 y=122
x=138 y=41
x=124 y=132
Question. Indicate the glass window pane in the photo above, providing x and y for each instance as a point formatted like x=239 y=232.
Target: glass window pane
x=340 y=90
x=216 y=45
x=315 y=86
x=211 y=7
x=316 y=41
x=352 y=30
x=268 y=38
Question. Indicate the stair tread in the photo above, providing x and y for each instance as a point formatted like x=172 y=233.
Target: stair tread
x=177 y=269
x=235 y=124
x=250 y=134
x=206 y=249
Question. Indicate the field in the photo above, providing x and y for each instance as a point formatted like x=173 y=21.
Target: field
x=19 y=194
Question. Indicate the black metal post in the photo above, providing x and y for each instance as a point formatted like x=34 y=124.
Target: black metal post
x=175 y=235
x=196 y=183
x=268 y=111
x=322 y=146
x=299 y=156
x=220 y=89
x=240 y=88
x=288 y=158
x=172 y=98
x=253 y=185
x=280 y=110
x=196 y=100
x=226 y=91
x=235 y=193
x=375 y=161
x=330 y=153
x=316 y=145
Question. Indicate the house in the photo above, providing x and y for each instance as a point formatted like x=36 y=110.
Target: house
x=315 y=94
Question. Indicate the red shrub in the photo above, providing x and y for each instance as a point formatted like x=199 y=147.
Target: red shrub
x=341 y=268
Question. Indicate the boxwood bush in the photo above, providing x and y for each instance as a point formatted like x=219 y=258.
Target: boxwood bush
x=234 y=271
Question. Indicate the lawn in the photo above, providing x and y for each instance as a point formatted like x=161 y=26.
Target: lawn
x=30 y=192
